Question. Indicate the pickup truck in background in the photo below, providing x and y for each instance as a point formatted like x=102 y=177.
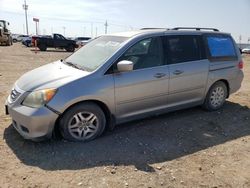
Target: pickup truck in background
x=56 y=41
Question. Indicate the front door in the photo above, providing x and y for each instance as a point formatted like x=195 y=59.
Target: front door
x=59 y=41
x=144 y=89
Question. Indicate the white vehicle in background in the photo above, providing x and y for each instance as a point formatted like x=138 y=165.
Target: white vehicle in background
x=246 y=50
x=81 y=41
x=14 y=37
x=19 y=38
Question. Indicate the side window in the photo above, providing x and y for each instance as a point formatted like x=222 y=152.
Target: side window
x=182 y=49
x=145 y=54
x=221 y=47
x=59 y=37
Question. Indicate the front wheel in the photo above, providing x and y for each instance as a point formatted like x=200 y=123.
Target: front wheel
x=216 y=96
x=83 y=122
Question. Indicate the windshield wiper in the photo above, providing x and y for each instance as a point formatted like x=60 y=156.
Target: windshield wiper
x=74 y=65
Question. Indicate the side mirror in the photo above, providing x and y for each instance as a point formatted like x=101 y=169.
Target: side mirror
x=125 y=66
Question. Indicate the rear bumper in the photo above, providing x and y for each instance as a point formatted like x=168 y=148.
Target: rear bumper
x=32 y=123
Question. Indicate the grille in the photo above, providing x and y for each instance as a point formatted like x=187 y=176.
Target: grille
x=14 y=95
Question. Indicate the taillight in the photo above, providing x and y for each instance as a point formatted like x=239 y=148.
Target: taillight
x=240 y=65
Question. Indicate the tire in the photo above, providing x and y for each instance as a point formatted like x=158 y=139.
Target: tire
x=216 y=96
x=8 y=42
x=14 y=40
x=42 y=47
x=70 y=48
x=82 y=123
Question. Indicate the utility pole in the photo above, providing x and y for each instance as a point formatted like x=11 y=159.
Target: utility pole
x=91 y=29
x=106 y=27
x=240 y=37
x=84 y=31
x=64 y=28
x=25 y=7
x=96 y=31
x=23 y=28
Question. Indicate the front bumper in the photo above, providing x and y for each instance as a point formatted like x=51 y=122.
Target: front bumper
x=32 y=123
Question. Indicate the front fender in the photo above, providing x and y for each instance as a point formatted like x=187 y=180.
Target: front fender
x=85 y=89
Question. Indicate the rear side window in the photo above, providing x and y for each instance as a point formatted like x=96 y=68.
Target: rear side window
x=183 y=49
x=221 y=47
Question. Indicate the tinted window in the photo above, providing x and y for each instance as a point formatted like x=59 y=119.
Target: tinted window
x=221 y=46
x=146 y=53
x=59 y=37
x=182 y=49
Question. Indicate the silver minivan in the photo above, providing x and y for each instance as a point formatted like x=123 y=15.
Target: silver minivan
x=126 y=76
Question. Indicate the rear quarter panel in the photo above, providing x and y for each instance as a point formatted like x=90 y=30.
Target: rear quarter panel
x=227 y=71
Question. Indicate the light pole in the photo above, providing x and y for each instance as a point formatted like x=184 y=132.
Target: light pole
x=25 y=7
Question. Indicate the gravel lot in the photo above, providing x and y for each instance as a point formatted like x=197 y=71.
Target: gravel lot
x=188 y=148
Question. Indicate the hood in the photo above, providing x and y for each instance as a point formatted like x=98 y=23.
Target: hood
x=52 y=75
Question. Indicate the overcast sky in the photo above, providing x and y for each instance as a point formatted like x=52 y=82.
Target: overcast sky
x=79 y=16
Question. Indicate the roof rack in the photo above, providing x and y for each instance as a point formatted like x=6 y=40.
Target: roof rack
x=195 y=28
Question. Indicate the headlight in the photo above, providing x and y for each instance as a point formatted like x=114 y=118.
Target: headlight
x=36 y=99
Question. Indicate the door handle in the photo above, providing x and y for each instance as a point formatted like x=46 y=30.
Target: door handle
x=178 y=72
x=159 y=75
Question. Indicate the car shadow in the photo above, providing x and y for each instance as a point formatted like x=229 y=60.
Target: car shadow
x=140 y=143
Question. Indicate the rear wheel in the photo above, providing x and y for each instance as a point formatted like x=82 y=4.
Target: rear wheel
x=42 y=47
x=83 y=122
x=216 y=96
x=70 y=48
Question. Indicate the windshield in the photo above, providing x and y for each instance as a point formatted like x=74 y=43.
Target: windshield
x=96 y=52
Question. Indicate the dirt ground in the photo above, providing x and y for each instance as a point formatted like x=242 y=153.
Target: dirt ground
x=188 y=148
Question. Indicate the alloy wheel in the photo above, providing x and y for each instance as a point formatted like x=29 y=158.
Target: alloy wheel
x=83 y=125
